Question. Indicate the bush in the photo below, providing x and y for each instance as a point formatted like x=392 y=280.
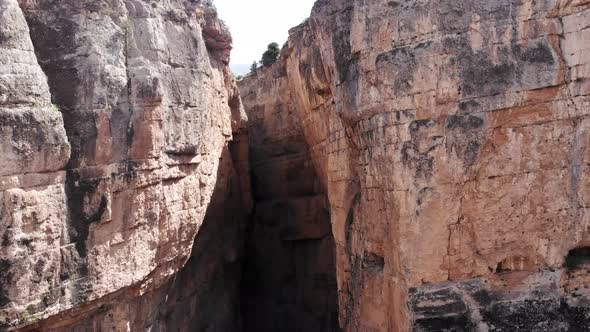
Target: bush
x=271 y=55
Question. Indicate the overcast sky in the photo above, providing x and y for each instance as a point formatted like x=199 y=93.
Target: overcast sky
x=256 y=23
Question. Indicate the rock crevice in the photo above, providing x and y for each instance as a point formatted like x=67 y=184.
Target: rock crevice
x=450 y=139
x=405 y=165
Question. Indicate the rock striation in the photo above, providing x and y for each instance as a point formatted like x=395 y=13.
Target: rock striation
x=116 y=118
x=451 y=140
x=408 y=165
x=289 y=264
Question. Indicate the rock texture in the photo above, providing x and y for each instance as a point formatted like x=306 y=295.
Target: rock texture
x=451 y=139
x=415 y=165
x=91 y=236
x=34 y=151
x=289 y=274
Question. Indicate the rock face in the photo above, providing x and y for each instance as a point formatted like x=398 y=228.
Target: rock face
x=451 y=139
x=289 y=274
x=34 y=151
x=91 y=236
x=415 y=165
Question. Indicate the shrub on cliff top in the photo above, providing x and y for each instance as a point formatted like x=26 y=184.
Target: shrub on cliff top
x=271 y=55
x=253 y=67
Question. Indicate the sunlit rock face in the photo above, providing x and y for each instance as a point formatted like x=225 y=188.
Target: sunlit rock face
x=34 y=150
x=91 y=235
x=451 y=139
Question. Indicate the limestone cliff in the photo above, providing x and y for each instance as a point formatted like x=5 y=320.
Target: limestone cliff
x=115 y=123
x=407 y=165
x=452 y=141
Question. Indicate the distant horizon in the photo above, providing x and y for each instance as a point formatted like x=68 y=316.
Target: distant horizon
x=252 y=27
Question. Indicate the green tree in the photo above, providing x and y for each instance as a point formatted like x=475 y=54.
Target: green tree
x=271 y=55
x=254 y=67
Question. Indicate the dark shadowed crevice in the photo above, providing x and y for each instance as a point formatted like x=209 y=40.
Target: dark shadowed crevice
x=289 y=277
x=289 y=281
x=204 y=295
x=578 y=258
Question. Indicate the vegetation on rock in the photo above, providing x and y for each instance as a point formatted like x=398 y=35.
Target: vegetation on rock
x=271 y=55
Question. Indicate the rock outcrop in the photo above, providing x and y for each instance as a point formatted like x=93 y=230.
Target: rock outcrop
x=94 y=236
x=451 y=139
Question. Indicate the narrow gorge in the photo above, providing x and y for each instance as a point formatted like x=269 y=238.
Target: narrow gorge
x=410 y=165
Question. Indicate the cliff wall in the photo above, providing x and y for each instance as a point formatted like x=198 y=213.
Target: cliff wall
x=116 y=118
x=451 y=139
x=289 y=274
x=408 y=165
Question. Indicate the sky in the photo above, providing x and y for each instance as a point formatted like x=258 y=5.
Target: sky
x=256 y=23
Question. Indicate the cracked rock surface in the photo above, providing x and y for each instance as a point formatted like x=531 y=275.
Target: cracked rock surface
x=408 y=165
x=451 y=139
x=115 y=123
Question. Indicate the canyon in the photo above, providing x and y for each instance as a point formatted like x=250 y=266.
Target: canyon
x=409 y=165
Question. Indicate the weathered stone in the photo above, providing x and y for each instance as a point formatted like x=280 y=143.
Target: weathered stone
x=451 y=138
x=148 y=105
x=423 y=162
x=32 y=136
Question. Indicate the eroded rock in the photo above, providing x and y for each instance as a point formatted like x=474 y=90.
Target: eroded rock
x=451 y=138
x=92 y=239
